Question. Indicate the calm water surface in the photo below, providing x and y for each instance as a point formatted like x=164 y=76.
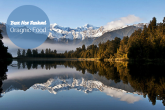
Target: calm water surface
x=32 y=85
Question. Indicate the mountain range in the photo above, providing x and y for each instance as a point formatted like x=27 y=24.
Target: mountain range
x=87 y=34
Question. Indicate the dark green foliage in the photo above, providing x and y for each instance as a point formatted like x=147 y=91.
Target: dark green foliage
x=29 y=53
x=35 y=53
x=47 y=54
x=83 y=47
x=42 y=53
x=3 y=75
x=148 y=43
x=23 y=53
x=19 y=53
x=4 y=53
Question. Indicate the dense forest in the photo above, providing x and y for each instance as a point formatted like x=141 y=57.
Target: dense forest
x=148 y=43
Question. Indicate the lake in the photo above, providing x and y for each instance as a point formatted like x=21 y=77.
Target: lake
x=81 y=85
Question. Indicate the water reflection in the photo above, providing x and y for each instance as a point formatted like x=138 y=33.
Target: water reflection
x=61 y=84
x=3 y=70
x=115 y=79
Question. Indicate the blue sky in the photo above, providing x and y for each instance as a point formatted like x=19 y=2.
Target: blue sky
x=74 y=13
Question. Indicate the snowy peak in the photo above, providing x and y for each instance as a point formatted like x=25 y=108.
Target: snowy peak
x=86 y=31
x=52 y=26
x=56 y=26
x=90 y=26
x=141 y=25
x=57 y=32
x=78 y=29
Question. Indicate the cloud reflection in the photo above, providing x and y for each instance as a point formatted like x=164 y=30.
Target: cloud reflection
x=121 y=94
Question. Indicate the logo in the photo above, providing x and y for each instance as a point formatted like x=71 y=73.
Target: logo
x=28 y=26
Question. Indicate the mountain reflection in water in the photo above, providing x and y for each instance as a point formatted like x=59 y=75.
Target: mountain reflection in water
x=116 y=79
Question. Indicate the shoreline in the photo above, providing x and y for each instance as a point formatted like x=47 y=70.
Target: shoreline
x=58 y=59
x=93 y=59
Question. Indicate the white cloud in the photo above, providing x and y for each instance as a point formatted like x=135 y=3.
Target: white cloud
x=123 y=21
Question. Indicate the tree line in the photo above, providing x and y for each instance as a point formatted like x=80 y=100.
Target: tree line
x=148 y=43
x=43 y=54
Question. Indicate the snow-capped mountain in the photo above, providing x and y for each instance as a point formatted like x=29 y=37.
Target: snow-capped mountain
x=141 y=24
x=87 y=34
x=86 y=31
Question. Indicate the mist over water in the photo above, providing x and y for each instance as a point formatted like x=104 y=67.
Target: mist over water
x=61 y=48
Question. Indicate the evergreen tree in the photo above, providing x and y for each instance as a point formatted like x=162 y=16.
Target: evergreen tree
x=83 y=47
x=29 y=53
x=55 y=51
x=18 y=53
x=42 y=53
x=66 y=54
x=163 y=29
x=153 y=24
x=1 y=37
x=47 y=51
x=122 y=51
x=23 y=53
x=34 y=53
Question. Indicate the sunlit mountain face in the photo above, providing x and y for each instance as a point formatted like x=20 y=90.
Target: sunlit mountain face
x=111 y=82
